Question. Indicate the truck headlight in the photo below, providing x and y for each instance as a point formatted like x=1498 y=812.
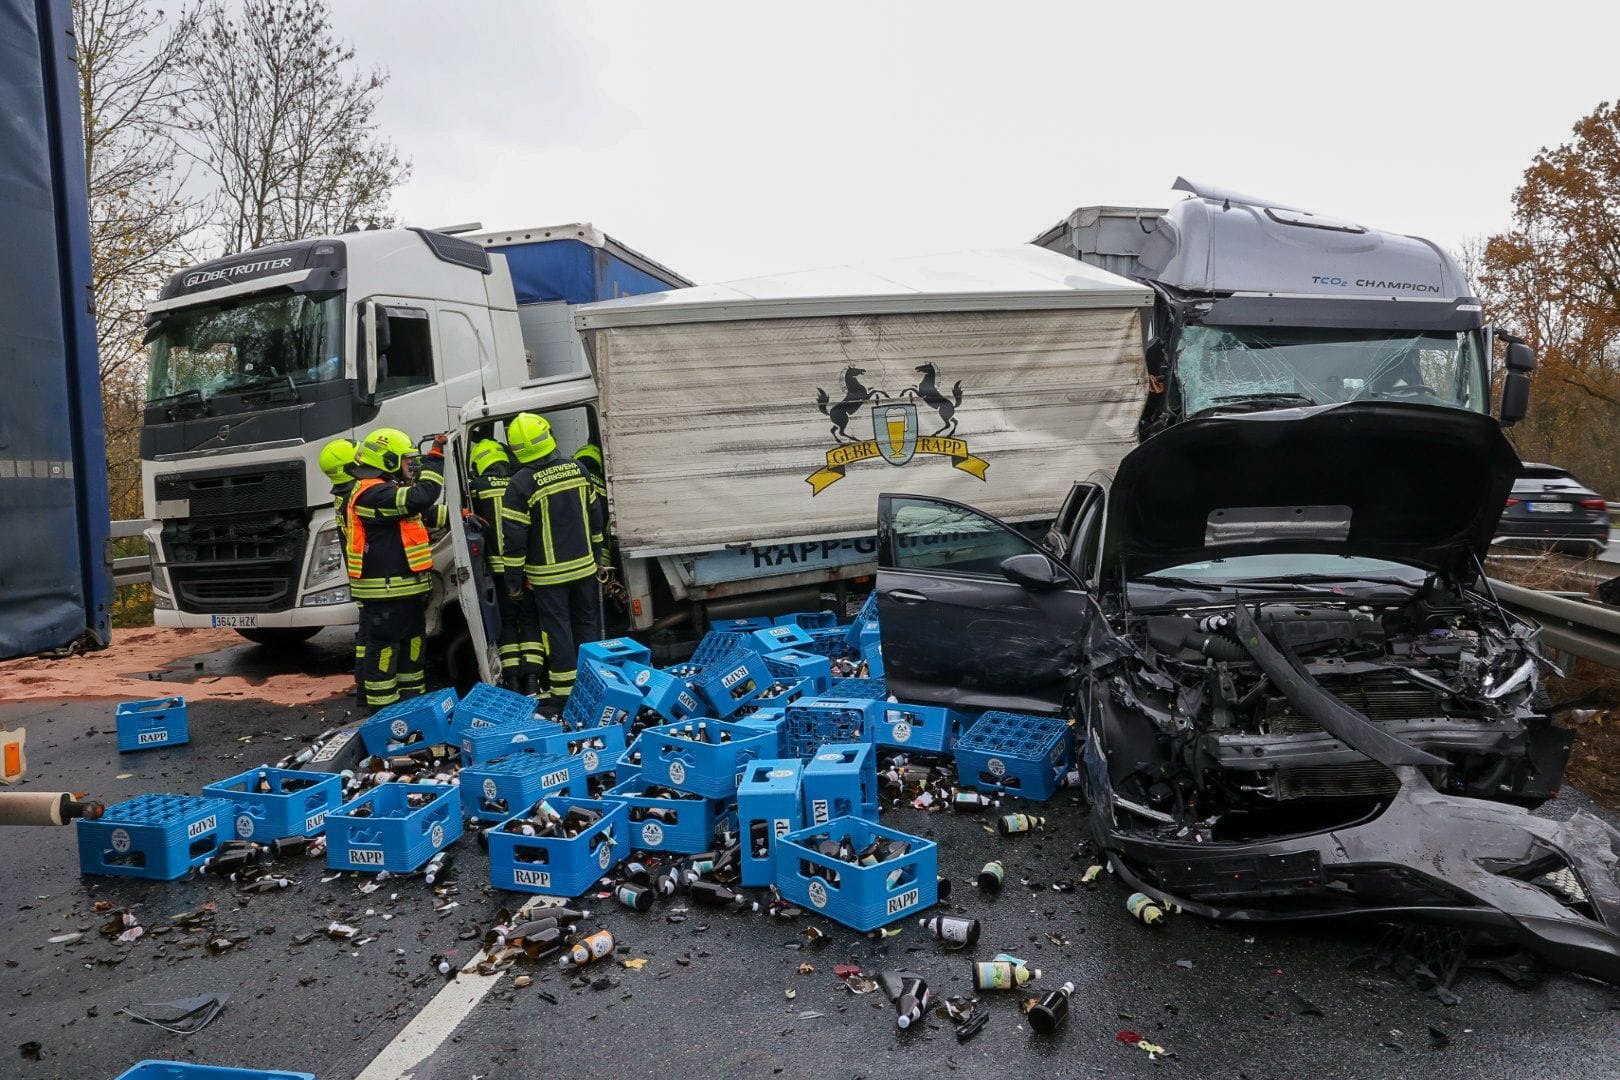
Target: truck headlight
x=161 y=602
x=339 y=595
x=326 y=557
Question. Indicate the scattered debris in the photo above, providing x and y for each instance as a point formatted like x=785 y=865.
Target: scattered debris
x=183 y=1016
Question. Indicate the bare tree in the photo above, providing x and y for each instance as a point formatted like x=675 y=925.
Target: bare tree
x=285 y=125
x=141 y=217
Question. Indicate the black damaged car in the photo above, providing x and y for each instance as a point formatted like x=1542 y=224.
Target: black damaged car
x=1294 y=694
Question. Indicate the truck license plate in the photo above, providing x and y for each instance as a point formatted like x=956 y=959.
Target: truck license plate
x=1550 y=508
x=237 y=622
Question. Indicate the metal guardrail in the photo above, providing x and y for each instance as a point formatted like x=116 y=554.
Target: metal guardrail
x=131 y=569
x=1583 y=628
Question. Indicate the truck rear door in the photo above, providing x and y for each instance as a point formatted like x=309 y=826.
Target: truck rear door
x=963 y=627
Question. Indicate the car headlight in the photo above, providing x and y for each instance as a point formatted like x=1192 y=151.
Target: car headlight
x=339 y=595
x=326 y=558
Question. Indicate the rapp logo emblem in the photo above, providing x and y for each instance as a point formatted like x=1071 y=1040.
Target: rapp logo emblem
x=818 y=894
x=896 y=429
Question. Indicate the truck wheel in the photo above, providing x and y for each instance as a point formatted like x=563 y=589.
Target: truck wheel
x=280 y=637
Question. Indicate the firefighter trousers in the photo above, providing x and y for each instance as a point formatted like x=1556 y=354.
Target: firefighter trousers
x=395 y=661
x=568 y=615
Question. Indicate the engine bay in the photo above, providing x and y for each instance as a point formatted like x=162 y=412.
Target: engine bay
x=1203 y=742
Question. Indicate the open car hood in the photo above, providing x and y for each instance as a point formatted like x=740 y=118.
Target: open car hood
x=1417 y=484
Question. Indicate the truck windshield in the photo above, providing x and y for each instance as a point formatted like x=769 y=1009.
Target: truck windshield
x=214 y=348
x=1252 y=367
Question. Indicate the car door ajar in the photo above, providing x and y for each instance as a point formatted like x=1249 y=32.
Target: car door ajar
x=469 y=574
x=962 y=625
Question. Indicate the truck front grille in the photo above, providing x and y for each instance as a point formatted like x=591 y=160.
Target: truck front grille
x=221 y=492
x=242 y=566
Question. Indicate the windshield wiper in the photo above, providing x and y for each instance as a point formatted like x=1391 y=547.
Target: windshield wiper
x=1212 y=586
x=1313 y=578
x=1266 y=397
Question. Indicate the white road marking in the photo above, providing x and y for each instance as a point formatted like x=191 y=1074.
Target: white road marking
x=439 y=1018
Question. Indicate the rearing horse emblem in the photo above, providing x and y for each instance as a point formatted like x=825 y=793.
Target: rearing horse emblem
x=897 y=431
x=855 y=395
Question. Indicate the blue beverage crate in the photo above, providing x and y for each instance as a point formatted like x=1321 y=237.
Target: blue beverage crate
x=151 y=1069
x=598 y=749
x=768 y=807
x=665 y=823
x=490 y=706
x=861 y=897
x=708 y=769
x=777 y=697
x=147 y=725
x=809 y=620
x=775 y=638
x=426 y=716
x=812 y=721
x=768 y=719
x=1015 y=754
x=740 y=626
x=153 y=836
x=498 y=740
x=556 y=866
x=517 y=781
x=666 y=694
x=729 y=684
x=876 y=689
x=801 y=665
x=602 y=695
x=830 y=641
x=872 y=653
x=614 y=651
x=597 y=785
x=866 y=617
x=295 y=805
x=840 y=781
x=928 y=728
x=718 y=644
x=380 y=831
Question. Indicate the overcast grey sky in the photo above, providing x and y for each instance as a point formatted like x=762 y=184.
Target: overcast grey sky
x=733 y=139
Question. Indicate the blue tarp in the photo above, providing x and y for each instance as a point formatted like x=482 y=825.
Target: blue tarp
x=54 y=587
x=574 y=271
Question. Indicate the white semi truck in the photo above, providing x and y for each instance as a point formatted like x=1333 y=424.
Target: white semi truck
x=259 y=359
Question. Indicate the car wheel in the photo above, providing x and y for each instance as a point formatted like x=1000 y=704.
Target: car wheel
x=280 y=637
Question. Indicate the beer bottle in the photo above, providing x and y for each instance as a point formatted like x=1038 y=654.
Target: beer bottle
x=1047 y=1015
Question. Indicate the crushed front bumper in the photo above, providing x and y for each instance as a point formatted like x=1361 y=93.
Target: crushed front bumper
x=1552 y=887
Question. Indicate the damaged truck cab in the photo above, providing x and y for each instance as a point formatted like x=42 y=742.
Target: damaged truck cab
x=1261 y=306
x=1295 y=695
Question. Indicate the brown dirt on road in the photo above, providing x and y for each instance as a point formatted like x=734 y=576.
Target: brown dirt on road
x=120 y=672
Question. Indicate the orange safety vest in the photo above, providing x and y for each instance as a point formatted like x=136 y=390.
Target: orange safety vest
x=413 y=535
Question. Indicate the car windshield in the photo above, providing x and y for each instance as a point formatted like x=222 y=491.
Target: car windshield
x=1247 y=367
x=1275 y=569
x=214 y=348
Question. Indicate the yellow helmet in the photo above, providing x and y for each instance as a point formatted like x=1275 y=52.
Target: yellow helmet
x=487 y=453
x=592 y=453
x=530 y=437
x=336 y=457
x=385 y=449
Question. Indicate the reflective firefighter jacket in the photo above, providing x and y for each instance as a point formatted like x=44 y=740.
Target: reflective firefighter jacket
x=552 y=523
x=487 y=490
x=386 y=547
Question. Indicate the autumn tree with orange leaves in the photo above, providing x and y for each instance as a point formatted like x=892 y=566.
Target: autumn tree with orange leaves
x=1554 y=278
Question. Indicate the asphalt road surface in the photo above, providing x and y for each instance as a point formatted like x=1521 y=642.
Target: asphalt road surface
x=713 y=998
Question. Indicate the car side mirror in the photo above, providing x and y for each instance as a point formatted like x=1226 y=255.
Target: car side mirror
x=1035 y=571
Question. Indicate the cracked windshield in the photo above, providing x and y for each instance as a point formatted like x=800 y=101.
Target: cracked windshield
x=1238 y=367
x=234 y=345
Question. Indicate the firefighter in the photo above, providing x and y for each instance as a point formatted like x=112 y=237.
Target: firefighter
x=389 y=559
x=553 y=524
x=337 y=457
x=589 y=457
x=492 y=471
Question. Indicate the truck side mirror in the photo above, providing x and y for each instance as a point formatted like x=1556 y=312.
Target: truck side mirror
x=373 y=332
x=1520 y=357
x=1515 y=395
